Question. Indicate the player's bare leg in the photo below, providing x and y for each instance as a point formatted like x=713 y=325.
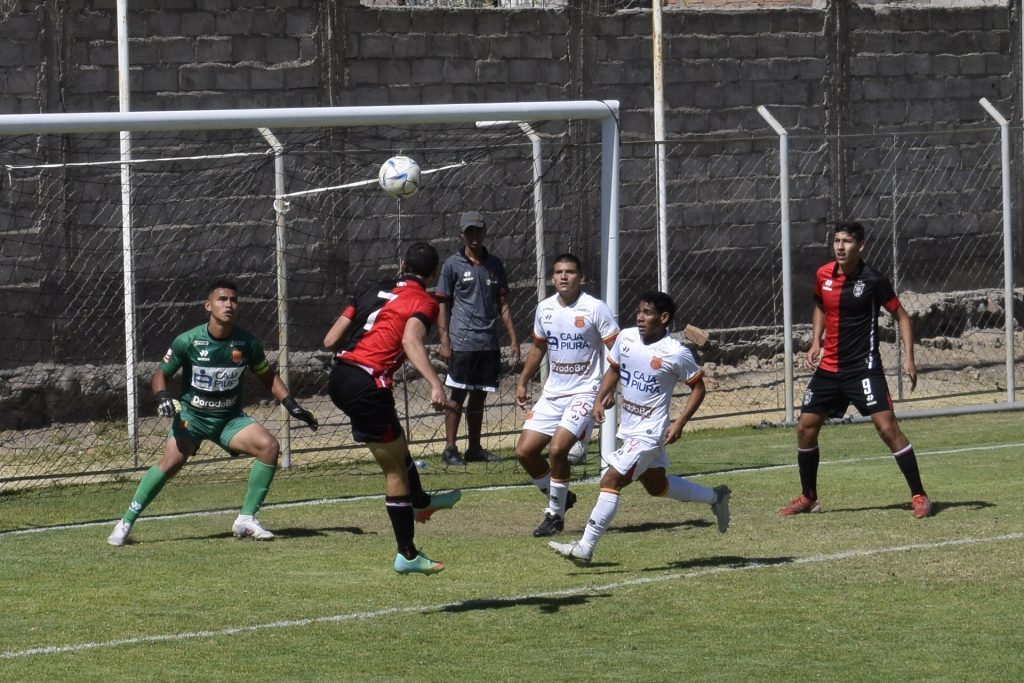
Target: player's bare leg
x=529 y=453
x=475 y=452
x=452 y=418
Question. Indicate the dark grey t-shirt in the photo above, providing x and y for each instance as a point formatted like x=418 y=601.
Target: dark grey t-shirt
x=471 y=291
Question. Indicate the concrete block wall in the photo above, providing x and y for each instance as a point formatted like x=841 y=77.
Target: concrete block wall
x=843 y=68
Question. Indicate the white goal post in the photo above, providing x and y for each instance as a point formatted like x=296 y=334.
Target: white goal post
x=265 y=121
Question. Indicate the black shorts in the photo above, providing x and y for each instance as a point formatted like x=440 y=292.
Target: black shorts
x=474 y=370
x=829 y=393
x=370 y=408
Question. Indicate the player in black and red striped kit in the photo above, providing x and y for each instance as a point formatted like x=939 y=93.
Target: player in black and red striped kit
x=383 y=326
x=848 y=294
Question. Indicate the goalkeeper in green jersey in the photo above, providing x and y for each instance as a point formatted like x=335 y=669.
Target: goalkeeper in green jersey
x=213 y=358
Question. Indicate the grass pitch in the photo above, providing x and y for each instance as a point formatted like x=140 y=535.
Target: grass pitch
x=863 y=592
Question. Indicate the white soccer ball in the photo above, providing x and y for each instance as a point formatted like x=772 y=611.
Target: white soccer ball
x=578 y=453
x=399 y=177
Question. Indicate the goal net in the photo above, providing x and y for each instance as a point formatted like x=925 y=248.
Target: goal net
x=285 y=203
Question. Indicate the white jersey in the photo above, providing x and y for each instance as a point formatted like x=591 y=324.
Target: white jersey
x=575 y=336
x=647 y=375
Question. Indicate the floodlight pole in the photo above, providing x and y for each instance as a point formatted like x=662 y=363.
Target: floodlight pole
x=1008 y=318
x=787 y=286
x=127 y=257
x=280 y=208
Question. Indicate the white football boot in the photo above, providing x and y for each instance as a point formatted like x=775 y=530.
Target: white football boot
x=120 y=533
x=573 y=551
x=247 y=526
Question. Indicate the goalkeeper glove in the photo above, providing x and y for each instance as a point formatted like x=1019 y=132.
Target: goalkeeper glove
x=165 y=405
x=300 y=413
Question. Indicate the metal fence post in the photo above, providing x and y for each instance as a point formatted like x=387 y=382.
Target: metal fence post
x=896 y=263
x=280 y=208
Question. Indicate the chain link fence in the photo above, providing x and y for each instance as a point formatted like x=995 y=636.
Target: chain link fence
x=932 y=206
x=205 y=206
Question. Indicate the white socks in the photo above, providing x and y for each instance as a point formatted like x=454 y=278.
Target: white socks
x=600 y=518
x=686 y=491
x=558 y=491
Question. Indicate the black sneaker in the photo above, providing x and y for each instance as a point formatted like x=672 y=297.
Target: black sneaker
x=552 y=524
x=450 y=456
x=570 y=500
x=480 y=455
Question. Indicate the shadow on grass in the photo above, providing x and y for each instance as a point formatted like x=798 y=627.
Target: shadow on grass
x=288 y=532
x=937 y=507
x=723 y=561
x=549 y=605
x=300 y=532
x=656 y=526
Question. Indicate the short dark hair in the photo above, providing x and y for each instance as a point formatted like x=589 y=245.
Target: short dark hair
x=852 y=228
x=221 y=283
x=421 y=259
x=661 y=302
x=568 y=258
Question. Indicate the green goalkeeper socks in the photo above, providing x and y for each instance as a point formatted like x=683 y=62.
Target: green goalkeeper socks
x=260 y=477
x=148 y=488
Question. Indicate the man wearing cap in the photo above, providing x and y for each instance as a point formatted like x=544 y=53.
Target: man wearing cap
x=473 y=293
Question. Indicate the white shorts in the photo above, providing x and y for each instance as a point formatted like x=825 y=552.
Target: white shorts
x=634 y=457
x=573 y=413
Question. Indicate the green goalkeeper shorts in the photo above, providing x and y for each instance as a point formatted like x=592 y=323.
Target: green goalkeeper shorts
x=199 y=427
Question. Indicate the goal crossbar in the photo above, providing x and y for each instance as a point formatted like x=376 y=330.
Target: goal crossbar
x=99 y=122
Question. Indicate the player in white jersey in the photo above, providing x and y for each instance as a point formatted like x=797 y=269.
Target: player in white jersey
x=646 y=363
x=572 y=328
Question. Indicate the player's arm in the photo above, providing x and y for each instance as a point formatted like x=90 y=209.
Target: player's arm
x=506 y=318
x=606 y=392
x=530 y=368
x=335 y=335
x=444 y=293
x=697 y=392
x=443 y=314
x=415 y=350
x=276 y=386
x=813 y=356
x=907 y=336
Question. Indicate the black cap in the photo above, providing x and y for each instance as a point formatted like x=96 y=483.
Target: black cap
x=471 y=219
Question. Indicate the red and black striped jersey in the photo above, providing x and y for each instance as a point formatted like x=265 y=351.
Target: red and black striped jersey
x=851 y=304
x=379 y=315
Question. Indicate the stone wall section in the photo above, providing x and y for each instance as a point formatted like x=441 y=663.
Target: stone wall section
x=830 y=68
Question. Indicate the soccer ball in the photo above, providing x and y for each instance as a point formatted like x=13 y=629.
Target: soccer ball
x=399 y=177
x=578 y=453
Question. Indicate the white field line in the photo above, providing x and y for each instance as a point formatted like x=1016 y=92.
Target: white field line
x=568 y=592
x=593 y=480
